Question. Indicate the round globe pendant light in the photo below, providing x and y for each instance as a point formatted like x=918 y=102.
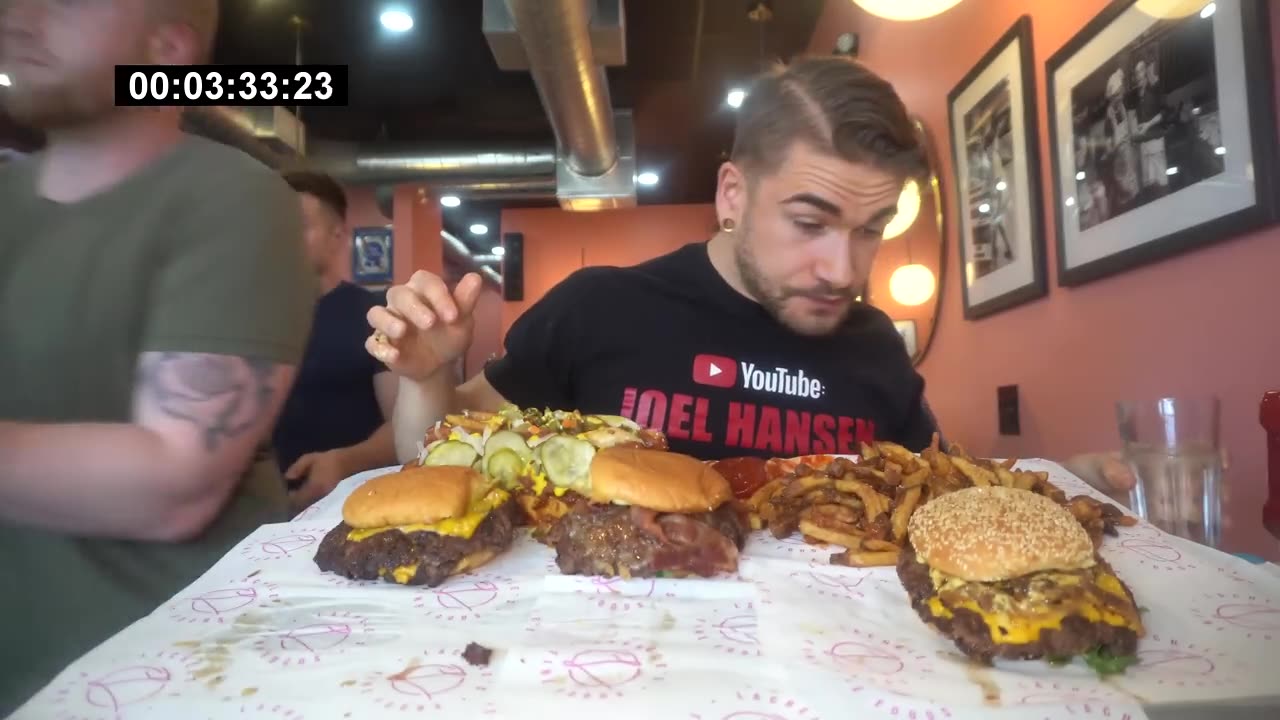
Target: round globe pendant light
x=906 y=9
x=912 y=285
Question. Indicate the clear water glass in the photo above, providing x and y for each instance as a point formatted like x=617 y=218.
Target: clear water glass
x=1171 y=444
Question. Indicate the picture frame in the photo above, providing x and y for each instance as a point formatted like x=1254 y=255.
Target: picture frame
x=1162 y=134
x=907 y=329
x=372 y=256
x=995 y=147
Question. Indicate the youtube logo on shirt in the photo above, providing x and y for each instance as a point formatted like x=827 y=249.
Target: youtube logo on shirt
x=715 y=370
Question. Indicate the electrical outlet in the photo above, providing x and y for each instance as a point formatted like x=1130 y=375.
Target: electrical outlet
x=1007 y=410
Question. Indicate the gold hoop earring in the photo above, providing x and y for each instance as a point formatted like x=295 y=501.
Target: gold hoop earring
x=728 y=225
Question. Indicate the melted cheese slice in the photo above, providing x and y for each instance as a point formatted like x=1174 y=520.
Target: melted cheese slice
x=463 y=527
x=1022 y=628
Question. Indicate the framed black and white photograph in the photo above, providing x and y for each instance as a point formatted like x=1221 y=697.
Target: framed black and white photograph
x=907 y=331
x=1162 y=133
x=371 y=256
x=997 y=163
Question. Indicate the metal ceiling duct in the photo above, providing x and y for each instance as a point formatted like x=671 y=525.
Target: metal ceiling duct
x=460 y=253
x=432 y=165
x=222 y=125
x=564 y=44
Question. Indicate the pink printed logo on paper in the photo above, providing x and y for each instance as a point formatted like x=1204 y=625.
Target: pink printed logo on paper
x=607 y=671
x=1175 y=663
x=468 y=597
x=1147 y=546
x=732 y=630
x=793 y=545
x=841 y=584
x=754 y=705
x=283 y=546
x=1044 y=692
x=1253 y=616
x=309 y=512
x=312 y=638
x=434 y=681
x=129 y=684
x=224 y=604
x=884 y=673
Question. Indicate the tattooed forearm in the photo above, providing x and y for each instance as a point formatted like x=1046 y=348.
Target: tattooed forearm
x=222 y=396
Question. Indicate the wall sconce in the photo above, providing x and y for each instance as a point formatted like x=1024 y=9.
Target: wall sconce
x=906 y=9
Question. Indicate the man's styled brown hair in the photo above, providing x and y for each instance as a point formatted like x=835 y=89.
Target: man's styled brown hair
x=836 y=105
x=321 y=187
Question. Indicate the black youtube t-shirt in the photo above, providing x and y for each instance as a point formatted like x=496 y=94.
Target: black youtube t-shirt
x=672 y=346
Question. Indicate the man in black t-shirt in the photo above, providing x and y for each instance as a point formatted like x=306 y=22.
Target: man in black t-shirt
x=336 y=421
x=749 y=344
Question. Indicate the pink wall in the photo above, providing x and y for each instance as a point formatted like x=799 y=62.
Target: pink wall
x=487 y=339
x=1193 y=324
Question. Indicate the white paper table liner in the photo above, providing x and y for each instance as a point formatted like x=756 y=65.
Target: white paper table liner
x=264 y=634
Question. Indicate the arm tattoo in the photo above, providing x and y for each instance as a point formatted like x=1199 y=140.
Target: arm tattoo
x=222 y=396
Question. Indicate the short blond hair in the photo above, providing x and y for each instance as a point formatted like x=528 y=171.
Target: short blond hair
x=199 y=15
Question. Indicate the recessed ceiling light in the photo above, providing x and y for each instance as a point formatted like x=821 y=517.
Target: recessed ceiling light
x=479 y=229
x=1208 y=10
x=735 y=97
x=396 y=20
x=5 y=81
x=648 y=178
x=450 y=200
x=499 y=250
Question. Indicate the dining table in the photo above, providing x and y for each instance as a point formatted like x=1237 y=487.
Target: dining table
x=790 y=636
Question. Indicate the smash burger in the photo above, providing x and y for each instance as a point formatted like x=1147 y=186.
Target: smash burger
x=419 y=526
x=540 y=456
x=1009 y=573
x=648 y=513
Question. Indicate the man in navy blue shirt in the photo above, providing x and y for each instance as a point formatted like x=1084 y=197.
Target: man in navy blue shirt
x=337 y=420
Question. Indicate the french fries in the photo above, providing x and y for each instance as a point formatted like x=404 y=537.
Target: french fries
x=865 y=506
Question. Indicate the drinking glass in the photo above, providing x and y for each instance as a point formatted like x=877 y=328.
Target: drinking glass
x=1171 y=444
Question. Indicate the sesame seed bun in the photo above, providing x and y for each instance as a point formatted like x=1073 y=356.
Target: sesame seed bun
x=656 y=480
x=419 y=495
x=988 y=534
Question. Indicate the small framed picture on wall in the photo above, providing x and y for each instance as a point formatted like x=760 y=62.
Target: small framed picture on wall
x=1162 y=130
x=997 y=163
x=907 y=330
x=371 y=256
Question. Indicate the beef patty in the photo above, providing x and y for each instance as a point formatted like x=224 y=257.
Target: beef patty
x=423 y=557
x=1075 y=634
x=616 y=540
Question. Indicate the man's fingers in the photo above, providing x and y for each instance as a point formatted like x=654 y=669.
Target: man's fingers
x=467 y=293
x=381 y=350
x=387 y=322
x=1117 y=473
x=435 y=293
x=300 y=466
x=408 y=304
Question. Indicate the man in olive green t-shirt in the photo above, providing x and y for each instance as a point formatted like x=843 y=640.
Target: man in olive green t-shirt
x=154 y=302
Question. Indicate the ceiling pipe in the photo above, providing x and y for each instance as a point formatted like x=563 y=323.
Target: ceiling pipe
x=461 y=254
x=221 y=125
x=431 y=165
x=556 y=35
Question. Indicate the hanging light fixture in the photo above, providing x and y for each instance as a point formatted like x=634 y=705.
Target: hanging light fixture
x=912 y=285
x=1170 y=9
x=906 y=9
x=908 y=211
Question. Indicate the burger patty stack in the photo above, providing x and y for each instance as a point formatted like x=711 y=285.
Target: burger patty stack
x=419 y=526
x=541 y=457
x=1007 y=573
x=648 y=514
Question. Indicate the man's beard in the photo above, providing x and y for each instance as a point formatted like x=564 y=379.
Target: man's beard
x=69 y=103
x=774 y=299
